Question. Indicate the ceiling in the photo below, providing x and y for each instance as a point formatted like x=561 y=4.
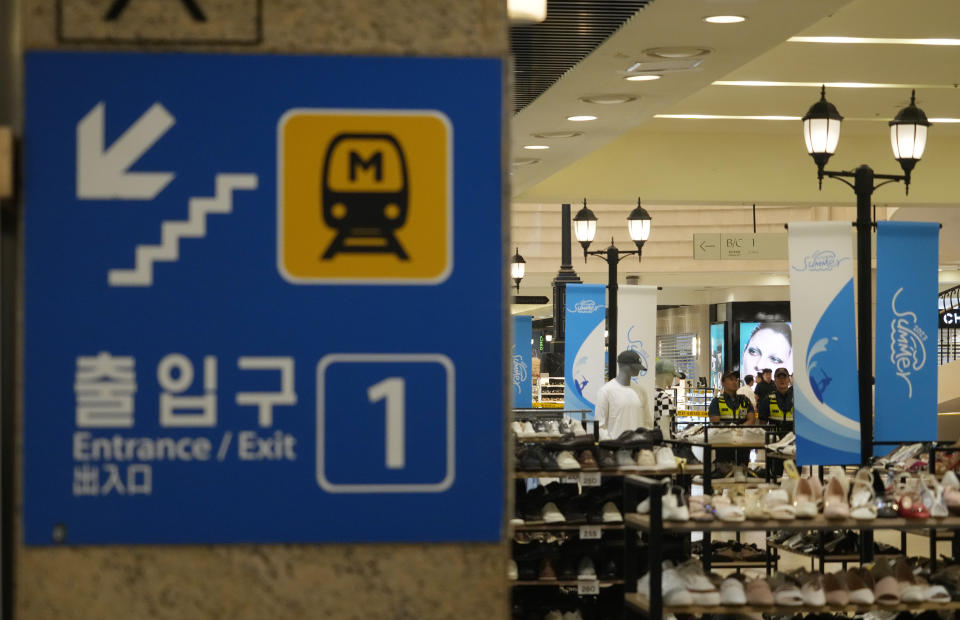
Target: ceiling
x=701 y=174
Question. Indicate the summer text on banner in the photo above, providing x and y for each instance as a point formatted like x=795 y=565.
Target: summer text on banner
x=824 y=344
x=906 y=367
x=521 y=362
x=637 y=331
x=583 y=353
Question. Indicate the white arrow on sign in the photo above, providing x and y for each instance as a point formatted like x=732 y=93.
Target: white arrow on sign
x=102 y=174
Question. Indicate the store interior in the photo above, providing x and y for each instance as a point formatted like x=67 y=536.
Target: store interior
x=701 y=123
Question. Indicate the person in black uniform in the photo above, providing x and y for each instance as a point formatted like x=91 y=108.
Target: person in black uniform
x=731 y=408
x=764 y=385
x=777 y=407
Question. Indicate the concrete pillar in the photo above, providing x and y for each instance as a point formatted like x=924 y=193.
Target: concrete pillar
x=262 y=581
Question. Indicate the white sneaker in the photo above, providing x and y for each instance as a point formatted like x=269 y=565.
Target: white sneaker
x=673 y=509
x=585 y=569
x=672 y=587
x=528 y=430
x=552 y=514
x=732 y=592
x=666 y=461
x=566 y=461
x=517 y=429
x=553 y=428
x=700 y=588
x=646 y=461
x=604 y=434
x=625 y=460
x=720 y=435
x=611 y=514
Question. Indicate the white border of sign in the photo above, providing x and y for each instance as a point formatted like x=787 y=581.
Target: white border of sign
x=361 y=281
x=437 y=487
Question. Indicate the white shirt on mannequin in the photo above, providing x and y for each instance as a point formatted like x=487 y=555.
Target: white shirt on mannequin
x=619 y=409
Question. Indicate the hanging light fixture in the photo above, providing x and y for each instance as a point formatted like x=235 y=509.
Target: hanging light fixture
x=526 y=11
x=585 y=227
x=908 y=137
x=517 y=268
x=821 y=131
x=638 y=225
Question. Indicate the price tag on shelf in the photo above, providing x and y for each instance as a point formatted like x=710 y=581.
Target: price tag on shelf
x=590 y=532
x=588 y=587
x=590 y=478
x=569 y=480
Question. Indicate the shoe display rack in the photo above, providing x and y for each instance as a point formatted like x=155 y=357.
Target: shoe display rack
x=578 y=496
x=550 y=391
x=693 y=399
x=656 y=529
x=581 y=560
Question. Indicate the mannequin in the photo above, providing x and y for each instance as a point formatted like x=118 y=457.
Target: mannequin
x=619 y=407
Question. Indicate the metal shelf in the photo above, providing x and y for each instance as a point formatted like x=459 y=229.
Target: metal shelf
x=642 y=522
x=639 y=602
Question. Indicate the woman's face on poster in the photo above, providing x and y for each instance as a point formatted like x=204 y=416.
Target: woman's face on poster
x=767 y=348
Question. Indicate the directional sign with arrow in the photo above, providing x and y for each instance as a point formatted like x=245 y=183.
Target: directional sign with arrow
x=706 y=246
x=103 y=174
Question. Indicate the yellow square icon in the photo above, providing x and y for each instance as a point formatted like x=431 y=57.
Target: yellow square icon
x=364 y=197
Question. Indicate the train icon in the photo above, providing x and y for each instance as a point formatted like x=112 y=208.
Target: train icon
x=364 y=194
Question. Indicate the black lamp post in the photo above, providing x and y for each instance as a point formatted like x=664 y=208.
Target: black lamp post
x=908 y=137
x=585 y=229
x=517 y=268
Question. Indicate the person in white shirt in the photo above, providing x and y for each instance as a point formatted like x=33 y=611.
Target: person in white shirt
x=747 y=390
x=619 y=408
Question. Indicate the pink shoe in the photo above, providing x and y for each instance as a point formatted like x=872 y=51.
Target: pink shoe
x=835 y=501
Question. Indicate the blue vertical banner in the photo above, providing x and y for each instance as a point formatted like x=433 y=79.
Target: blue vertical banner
x=906 y=394
x=522 y=362
x=827 y=406
x=583 y=355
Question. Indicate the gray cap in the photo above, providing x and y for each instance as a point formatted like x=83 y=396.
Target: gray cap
x=628 y=357
x=666 y=367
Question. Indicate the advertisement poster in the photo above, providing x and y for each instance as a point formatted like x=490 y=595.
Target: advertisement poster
x=584 y=351
x=521 y=357
x=906 y=365
x=637 y=329
x=827 y=405
x=765 y=345
x=717 y=353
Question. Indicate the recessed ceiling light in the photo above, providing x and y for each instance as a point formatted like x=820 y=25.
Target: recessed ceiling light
x=607 y=99
x=677 y=52
x=582 y=117
x=724 y=19
x=524 y=161
x=875 y=40
x=551 y=135
x=536 y=147
x=641 y=78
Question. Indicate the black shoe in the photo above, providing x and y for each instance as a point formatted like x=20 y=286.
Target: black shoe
x=685 y=451
x=528 y=459
x=548 y=461
x=572 y=442
x=606 y=460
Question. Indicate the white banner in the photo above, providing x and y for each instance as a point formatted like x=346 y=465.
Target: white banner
x=637 y=331
x=827 y=407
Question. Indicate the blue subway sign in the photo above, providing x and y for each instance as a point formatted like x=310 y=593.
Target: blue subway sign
x=241 y=276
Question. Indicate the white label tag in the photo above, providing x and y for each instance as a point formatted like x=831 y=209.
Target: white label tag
x=590 y=532
x=588 y=588
x=569 y=480
x=590 y=479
